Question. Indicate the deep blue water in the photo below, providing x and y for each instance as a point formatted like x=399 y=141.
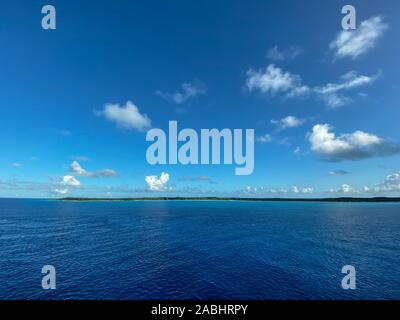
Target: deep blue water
x=198 y=250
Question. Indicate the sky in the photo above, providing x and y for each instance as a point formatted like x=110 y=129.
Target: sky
x=76 y=102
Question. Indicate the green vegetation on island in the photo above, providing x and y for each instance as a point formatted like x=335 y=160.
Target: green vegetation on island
x=340 y=199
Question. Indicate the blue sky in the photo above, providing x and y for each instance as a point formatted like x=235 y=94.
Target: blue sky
x=324 y=103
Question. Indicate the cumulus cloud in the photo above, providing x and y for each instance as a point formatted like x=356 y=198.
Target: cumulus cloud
x=266 y=138
x=287 y=122
x=77 y=169
x=344 y=188
x=338 y=173
x=284 y=54
x=305 y=190
x=350 y=80
x=390 y=184
x=188 y=91
x=349 y=146
x=66 y=183
x=70 y=181
x=353 y=43
x=273 y=80
x=126 y=117
x=155 y=183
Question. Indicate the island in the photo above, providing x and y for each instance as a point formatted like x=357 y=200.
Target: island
x=339 y=199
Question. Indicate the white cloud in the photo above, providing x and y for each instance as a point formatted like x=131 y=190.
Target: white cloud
x=338 y=173
x=390 y=184
x=334 y=100
x=70 y=181
x=273 y=80
x=261 y=191
x=66 y=183
x=77 y=169
x=352 y=146
x=305 y=190
x=297 y=150
x=126 y=117
x=61 y=190
x=106 y=173
x=265 y=138
x=155 y=183
x=350 y=80
x=16 y=165
x=345 y=188
x=188 y=91
x=284 y=54
x=352 y=43
x=287 y=122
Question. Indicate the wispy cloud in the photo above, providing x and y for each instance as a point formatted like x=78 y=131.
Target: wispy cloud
x=273 y=80
x=199 y=179
x=188 y=91
x=338 y=173
x=77 y=169
x=273 y=192
x=126 y=117
x=288 y=122
x=353 y=43
x=16 y=165
x=284 y=54
x=350 y=80
x=350 y=146
x=266 y=138
x=80 y=158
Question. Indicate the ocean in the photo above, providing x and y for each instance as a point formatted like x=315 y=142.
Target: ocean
x=198 y=249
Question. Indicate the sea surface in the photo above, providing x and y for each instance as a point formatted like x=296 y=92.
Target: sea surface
x=199 y=249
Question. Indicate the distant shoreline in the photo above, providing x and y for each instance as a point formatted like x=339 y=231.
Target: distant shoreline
x=340 y=199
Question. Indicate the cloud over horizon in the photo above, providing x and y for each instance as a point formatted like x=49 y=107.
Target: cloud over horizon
x=77 y=169
x=350 y=146
x=155 y=183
